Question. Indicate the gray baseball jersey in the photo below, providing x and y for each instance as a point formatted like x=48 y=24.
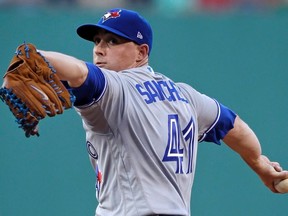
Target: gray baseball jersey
x=142 y=135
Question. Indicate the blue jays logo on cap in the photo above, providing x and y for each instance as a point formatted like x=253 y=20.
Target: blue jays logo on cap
x=111 y=14
x=122 y=22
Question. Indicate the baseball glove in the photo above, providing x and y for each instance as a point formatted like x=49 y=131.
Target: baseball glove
x=32 y=89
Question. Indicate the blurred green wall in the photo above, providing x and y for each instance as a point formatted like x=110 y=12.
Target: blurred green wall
x=238 y=58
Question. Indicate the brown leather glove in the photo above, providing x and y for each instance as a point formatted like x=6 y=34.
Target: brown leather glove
x=32 y=89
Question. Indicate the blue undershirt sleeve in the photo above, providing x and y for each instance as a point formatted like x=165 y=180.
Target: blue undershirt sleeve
x=93 y=87
x=222 y=127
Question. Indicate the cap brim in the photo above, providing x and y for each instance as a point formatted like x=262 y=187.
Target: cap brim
x=88 y=31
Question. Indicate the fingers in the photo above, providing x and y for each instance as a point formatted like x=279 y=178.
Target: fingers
x=283 y=175
x=272 y=173
x=276 y=166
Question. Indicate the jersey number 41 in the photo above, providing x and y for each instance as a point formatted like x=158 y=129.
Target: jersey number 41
x=174 y=150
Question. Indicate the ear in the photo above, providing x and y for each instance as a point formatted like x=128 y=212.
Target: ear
x=143 y=51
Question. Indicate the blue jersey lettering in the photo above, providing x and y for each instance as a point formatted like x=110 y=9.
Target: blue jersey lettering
x=153 y=91
x=175 y=90
x=147 y=97
x=163 y=86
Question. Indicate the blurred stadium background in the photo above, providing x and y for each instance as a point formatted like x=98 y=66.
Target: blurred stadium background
x=187 y=6
x=233 y=50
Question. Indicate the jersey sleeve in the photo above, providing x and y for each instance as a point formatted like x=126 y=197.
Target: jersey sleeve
x=223 y=123
x=214 y=120
x=92 y=89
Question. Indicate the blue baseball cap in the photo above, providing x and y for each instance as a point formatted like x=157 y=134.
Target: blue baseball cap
x=125 y=23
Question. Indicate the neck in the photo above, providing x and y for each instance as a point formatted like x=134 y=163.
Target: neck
x=143 y=62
